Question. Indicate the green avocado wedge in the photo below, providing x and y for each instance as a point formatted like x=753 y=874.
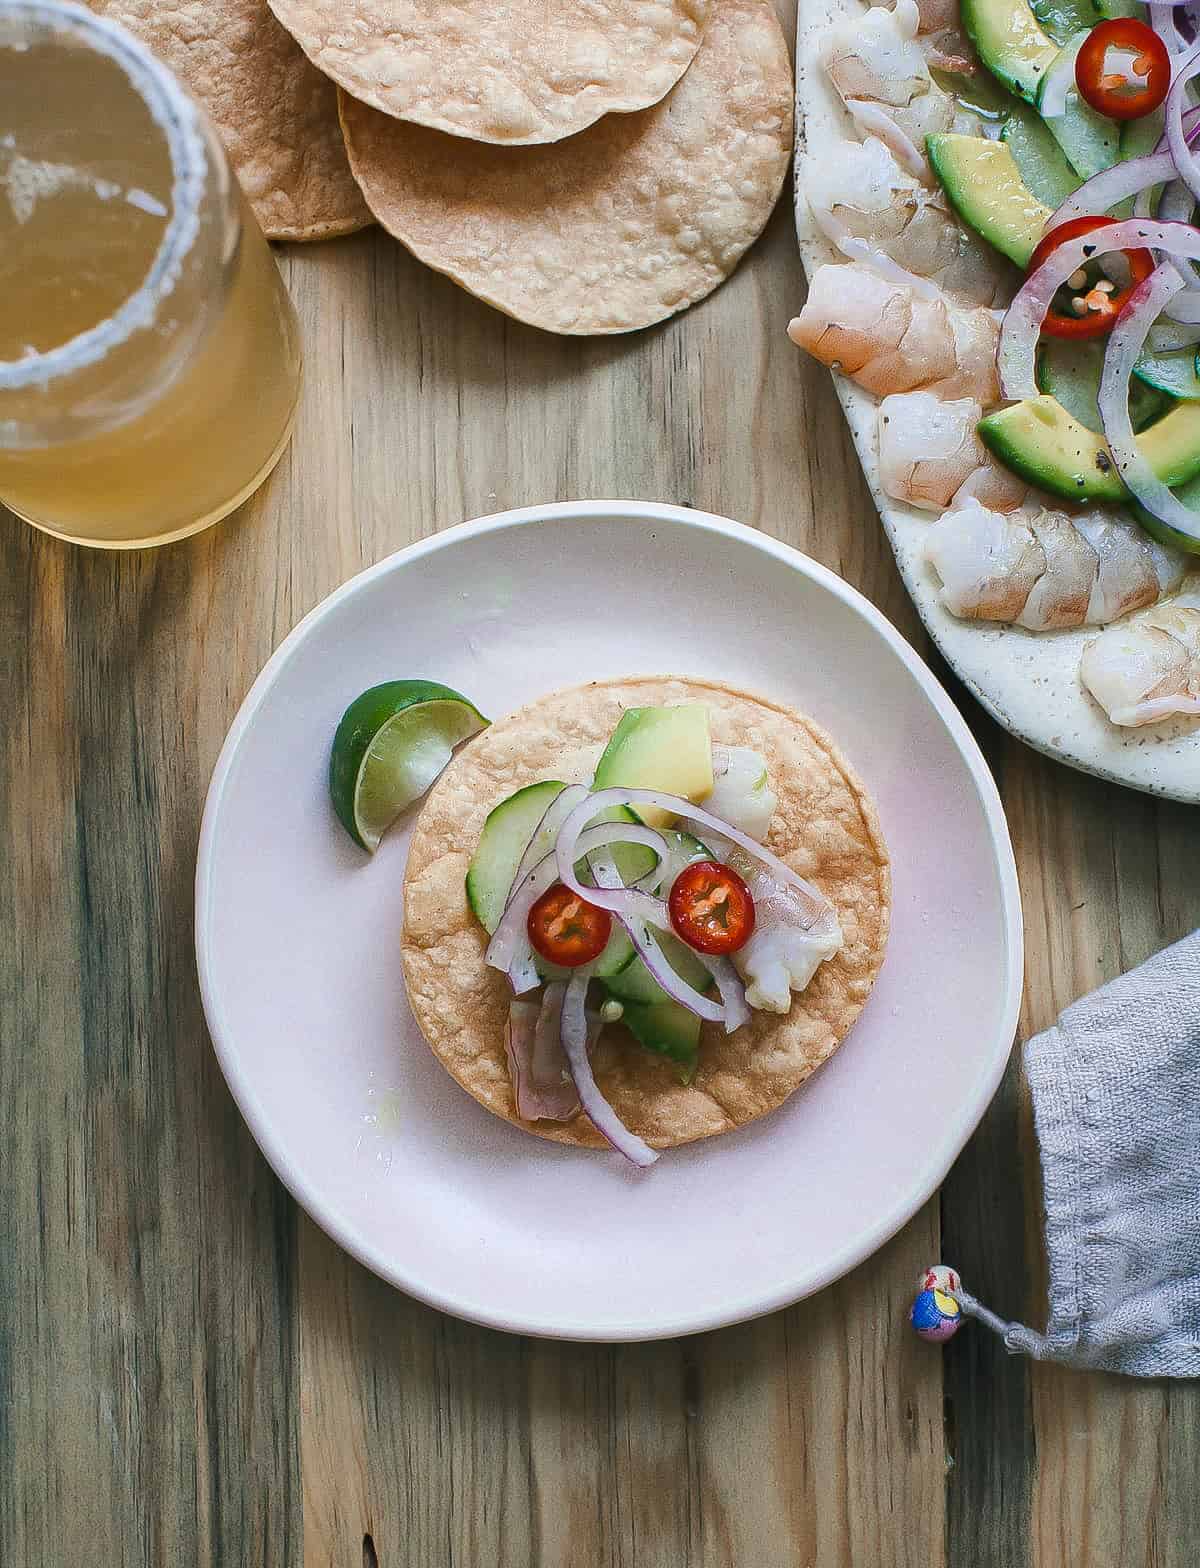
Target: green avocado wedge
x=985 y=188
x=1011 y=43
x=668 y=1030
x=1039 y=440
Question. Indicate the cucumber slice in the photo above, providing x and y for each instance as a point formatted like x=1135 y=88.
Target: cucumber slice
x=1189 y=494
x=507 y=831
x=1070 y=372
x=1139 y=138
x=667 y=1029
x=1041 y=162
x=1091 y=141
x=1173 y=373
x=1114 y=8
x=1063 y=18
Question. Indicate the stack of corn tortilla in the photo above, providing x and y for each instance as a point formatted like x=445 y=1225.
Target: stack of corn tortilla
x=587 y=166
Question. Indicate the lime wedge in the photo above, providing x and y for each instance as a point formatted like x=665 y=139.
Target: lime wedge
x=390 y=746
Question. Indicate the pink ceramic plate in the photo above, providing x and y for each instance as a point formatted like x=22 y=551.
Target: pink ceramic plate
x=297 y=936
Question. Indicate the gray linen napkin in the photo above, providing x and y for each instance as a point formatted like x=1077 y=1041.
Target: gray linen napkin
x=1116 y=1102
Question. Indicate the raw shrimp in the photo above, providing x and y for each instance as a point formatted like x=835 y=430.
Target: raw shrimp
x=928 y=448
x=741 y=793
x=1044 y=569
x=930 y=456
x=889 y=340
x=940 y=35
x=864 y=195
x=993 y=486
x=1148 y=668
x=879 y=72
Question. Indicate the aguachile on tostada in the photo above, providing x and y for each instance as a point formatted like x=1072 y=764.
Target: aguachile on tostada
x=642 y=912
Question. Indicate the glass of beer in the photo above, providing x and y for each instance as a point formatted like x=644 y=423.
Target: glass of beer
x=149 y=354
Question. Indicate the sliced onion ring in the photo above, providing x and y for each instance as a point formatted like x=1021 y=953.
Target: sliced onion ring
x=604 y=869
x=1187 y=165
x=1106 y=189
x=605 y=799
x=597 y=1109
x=509 y=949
x=1017 y=350
x=1125 y=343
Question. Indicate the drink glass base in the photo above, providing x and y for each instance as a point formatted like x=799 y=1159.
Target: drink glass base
x=151 y=542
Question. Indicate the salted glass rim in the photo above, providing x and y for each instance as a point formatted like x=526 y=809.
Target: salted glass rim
x=176 y=116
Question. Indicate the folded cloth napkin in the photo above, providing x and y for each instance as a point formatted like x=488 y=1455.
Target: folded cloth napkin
x=1116 y=1103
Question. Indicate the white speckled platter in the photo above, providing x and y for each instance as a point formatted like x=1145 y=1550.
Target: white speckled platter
x=1028 y=681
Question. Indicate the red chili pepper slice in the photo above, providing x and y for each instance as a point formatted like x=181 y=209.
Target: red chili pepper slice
x=1101 y=305
x=1123 y=69
x=711 y=908
x=565 y=929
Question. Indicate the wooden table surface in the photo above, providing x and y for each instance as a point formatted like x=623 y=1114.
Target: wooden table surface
x=190 y=1373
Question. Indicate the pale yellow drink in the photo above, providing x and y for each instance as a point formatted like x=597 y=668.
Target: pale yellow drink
x=149 y=356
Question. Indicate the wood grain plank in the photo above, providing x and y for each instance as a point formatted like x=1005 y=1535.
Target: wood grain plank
x=150 y=1380
x=1110 y=1486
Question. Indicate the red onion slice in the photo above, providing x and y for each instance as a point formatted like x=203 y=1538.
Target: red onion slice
x=604 y=1119
x=1106 y=189
x=1125 y=343
x=605 y=872
x=1017 y=350
x=731 y=987
x=1162 y=20
x=509 y=949
x=1187 y=166
x=1052 y=104
x=606 y=798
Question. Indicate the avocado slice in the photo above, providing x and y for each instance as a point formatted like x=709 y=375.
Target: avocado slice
x=1039 y=440
x=667 y=1029
x=1011 y=43
x=660 y=748
x=985 y=188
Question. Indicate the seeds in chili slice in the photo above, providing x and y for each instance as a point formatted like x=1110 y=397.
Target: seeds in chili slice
x=711 y=908
x=566 y=930
x=1094 y=304
x=1123 y=69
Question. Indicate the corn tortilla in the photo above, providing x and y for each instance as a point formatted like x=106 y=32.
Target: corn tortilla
x=277 y=115
x=625 y=224
x=498 y=71
x=825 y=827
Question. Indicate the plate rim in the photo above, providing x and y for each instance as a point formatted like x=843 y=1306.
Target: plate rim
x=937 y=1163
